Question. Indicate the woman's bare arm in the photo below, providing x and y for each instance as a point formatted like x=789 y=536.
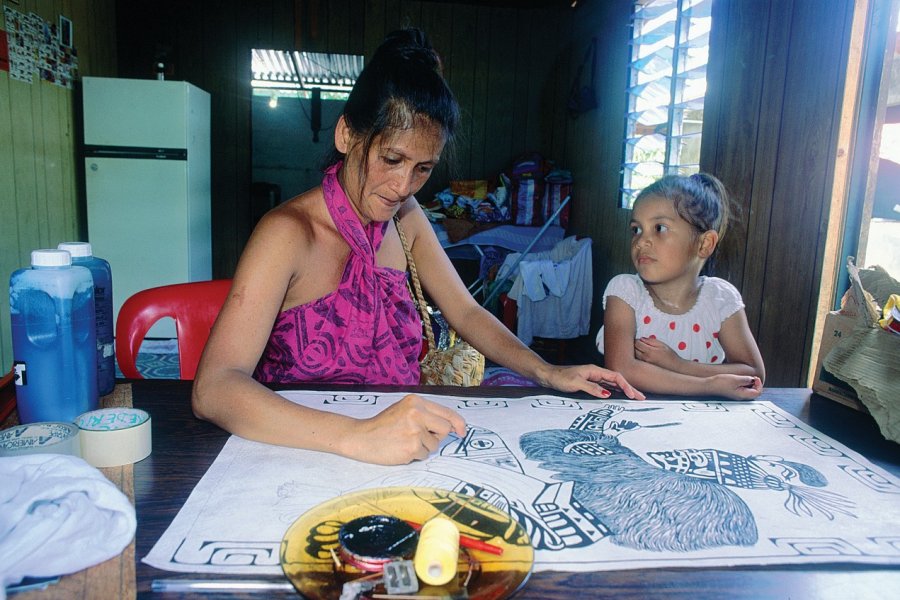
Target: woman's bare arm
x=226 y=394
x=484 y=331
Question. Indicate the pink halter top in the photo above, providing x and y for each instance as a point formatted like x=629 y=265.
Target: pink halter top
x=367 y=331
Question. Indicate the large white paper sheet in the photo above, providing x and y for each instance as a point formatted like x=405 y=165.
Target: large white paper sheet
x=599 y=485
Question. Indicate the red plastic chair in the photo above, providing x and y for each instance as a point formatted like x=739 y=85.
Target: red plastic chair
x=194 y=307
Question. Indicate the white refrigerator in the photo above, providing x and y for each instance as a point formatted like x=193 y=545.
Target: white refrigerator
x=147 y=172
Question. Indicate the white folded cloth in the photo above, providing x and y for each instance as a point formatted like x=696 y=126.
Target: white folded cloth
x=58 y=515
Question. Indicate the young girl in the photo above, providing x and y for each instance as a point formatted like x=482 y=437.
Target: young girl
x=668 y=329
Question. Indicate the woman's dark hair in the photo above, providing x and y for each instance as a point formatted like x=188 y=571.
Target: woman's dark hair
x=401 y=87
x=699 y=199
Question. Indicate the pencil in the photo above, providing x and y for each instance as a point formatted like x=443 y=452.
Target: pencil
x=219 y=585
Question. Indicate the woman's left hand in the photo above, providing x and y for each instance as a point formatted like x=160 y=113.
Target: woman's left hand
x=588 y=378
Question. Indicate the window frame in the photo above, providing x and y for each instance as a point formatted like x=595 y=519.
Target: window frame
x=674 y=127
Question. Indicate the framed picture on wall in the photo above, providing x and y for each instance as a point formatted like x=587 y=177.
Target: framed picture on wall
x=65 y=32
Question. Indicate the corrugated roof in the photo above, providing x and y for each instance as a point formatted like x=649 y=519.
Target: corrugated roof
x=281 y=69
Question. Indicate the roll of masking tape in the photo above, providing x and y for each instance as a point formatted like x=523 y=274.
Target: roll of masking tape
x=437 y=553
x=48 y=437
x=111 y=437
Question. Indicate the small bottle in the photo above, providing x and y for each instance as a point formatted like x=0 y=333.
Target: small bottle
x=83 y=256
x=54 y=338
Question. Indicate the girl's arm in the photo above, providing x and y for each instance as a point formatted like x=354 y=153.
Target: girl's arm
x=741 y=352
x=485 y=332
x=225 y=392
x=619 y=353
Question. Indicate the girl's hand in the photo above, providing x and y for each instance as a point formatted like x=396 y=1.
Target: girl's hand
x=588 y=378
x=655 y=352
x=736 y=387
x=406 y=431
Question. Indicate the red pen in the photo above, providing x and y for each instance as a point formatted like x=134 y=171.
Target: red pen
x=468 y=542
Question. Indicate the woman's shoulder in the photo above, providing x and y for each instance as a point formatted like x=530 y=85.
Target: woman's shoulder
x=286 y=234
x=413 y=220
x=411 y=214
x=298 y=216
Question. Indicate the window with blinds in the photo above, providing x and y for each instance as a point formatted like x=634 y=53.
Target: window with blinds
x=278 y=73
x=666 y=88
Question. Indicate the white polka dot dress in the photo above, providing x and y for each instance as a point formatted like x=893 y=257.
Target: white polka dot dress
x=693 y=335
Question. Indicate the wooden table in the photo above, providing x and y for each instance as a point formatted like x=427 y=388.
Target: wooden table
x=184 y=448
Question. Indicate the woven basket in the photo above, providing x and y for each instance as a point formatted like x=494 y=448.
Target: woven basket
x=460 y=364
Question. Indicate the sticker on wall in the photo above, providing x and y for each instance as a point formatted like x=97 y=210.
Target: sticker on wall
x=34 y=45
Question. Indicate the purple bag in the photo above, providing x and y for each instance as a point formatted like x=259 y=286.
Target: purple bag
x=526 y=189
x=557 y=185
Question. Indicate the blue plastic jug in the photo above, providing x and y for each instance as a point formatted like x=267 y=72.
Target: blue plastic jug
x=54 y=338
x=83 y=256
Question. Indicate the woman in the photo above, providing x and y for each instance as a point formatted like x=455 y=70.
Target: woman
x=320 y=291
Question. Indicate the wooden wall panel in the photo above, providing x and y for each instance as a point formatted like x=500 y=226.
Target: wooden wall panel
x=734 y=105
x=374 y=29
x=555 y=129
x=211 y=43
x=591 y=143
x=10 y=256
x=760 y=187
x=340 y=17
x=392 y=18
x=806 y=143
x=775 y=139
x=500 y=98
x=461 y=77
x=410 y=13
x=775 y=72
x=434 y=22
x=39 y=195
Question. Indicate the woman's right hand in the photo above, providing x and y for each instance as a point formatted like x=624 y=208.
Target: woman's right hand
x=406 y=431
x=736 y=387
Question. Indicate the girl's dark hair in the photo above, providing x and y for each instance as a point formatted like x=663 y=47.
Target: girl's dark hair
x=699 y=199
x=402 y=86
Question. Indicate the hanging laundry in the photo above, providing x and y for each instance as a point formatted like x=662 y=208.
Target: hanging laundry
x=553 y=290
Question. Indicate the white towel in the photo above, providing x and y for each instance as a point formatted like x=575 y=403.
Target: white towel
x=553 y=290
x=58 y=515
x=543 y=277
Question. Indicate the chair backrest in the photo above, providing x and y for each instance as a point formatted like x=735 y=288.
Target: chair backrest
x=194 y=307
x=7 y=395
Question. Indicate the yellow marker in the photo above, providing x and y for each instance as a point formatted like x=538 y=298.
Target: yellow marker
x=437 y=553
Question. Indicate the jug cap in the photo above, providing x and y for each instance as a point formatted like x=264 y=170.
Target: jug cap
x=50 y=258
x=76 y=249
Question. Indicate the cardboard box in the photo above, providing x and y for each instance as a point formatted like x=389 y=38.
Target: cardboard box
x=865 y=356
x=837 y=327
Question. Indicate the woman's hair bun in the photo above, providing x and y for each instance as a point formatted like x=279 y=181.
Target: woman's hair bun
x=401 y=87
x=409 y=46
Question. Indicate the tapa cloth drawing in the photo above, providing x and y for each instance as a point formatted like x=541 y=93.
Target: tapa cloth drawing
x=599 y=485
